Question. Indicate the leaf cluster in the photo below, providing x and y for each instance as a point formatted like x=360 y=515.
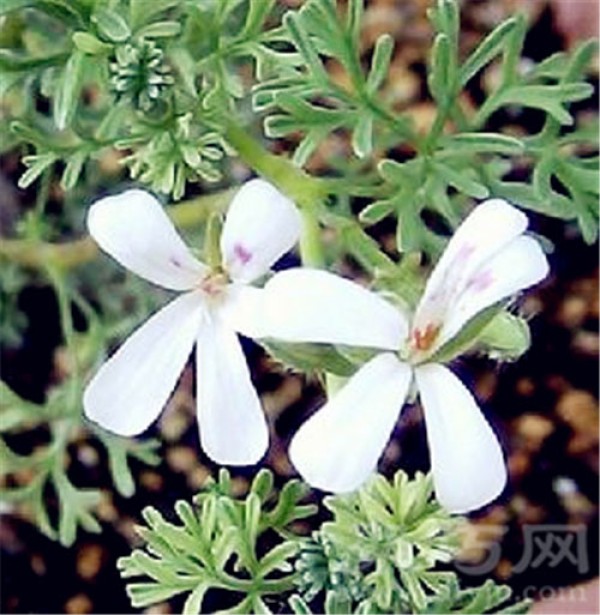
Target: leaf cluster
x=220 y=543
x=461 y=157
x=377 y=554
x=39 y=481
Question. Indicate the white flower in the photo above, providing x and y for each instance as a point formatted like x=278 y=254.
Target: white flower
x=130 y=389
x=488 y=259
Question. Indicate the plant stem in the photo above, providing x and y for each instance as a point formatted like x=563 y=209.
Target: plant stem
x=311 y=250
x=306 y=191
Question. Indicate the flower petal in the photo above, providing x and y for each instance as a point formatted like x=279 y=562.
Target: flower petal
x=131 y=388
x=466 y=458
x=338 y=447
x=488 y=228
x=233 y=429
x=135 y=230
x=309 y=305
x=518 y=265
x=261 y=226
x=244 y=310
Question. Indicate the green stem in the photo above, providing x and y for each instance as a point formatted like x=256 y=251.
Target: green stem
x=66 y=323
x=311 y=250
x=439 y=122
x=306 y=191
x=43 y=192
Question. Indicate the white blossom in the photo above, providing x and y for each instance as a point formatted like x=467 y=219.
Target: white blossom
x=128 y=392
x=487 y=260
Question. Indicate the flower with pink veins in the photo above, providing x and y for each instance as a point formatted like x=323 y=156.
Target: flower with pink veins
x=128 y=392
x=488 y=259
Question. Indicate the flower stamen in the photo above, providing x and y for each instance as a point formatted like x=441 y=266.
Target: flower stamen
x=423 y=340
x=214 y=284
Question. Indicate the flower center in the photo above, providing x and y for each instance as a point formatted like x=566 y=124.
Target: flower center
x=214 y=284
x=423 y=339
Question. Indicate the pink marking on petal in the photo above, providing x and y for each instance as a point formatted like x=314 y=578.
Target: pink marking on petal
x=175 y=261
x=242 y=254
x=464 y=253
x=481 y=281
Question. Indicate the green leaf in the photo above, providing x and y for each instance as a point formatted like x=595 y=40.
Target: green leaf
x=36 y=166
x=309 y=357
x=277 y=558
x=460 y=181
x=553 y=66
x=298 y=606
x=73 y=170
x=262 y=485
x=491 y=46
x=362 y=136
x=258 y=11
x=467 y=337
x=252 y=513
x=336 y=604
x=144 y=594
x=306 y=47
x=88 y=43
x=354 y=19
x=111 y=25
x=69 y=11
x=193 y=603
x=160 y=29
x=439 y=74
x=377 y=211
x=380 y=64
x=481 y=142
x=572 y=174
x=505 y=337
x=11 y=62
x=186 y=68
x=142 y=11
x=549 y=98
x=67 y=96
x=307 y=146
x=554 y=204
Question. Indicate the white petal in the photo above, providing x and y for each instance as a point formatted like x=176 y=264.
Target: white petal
x=518 y=265
x=309 y=305
x=466 y=458
x=488 y=228
x=135 y=230
x=131 y=388
x=261 y=226
x=233 y=429
x=338 y=447
x=244 y=310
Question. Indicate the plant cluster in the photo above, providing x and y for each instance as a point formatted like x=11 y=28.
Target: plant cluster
x=175 y=92
x=376 y=554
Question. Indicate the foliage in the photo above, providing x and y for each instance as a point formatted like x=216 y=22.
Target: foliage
x=171 y=91
x=220 y=545
x=46 y=470
x=446 y=164
x=376 y=555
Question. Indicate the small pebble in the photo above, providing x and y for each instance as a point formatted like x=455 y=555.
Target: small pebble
x=533 y=429
x=151 y=480
x=38 y=564
x=182 y=458
x=78 y=605
x=89 y=561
